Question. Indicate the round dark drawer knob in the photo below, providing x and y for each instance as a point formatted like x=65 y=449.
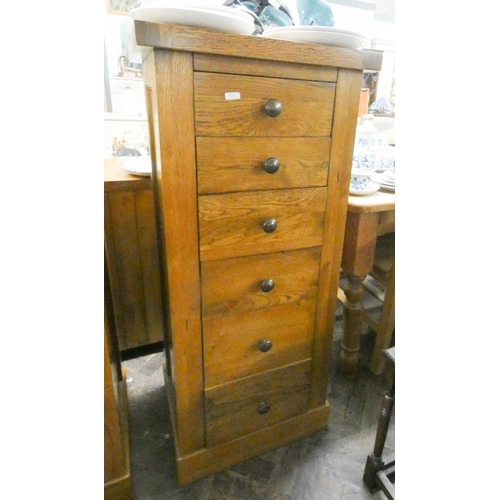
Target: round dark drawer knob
x=265 y=345
x=271 y=165
x=270 y=225
x=267 y=285
x=263 y=408
x=273 y=107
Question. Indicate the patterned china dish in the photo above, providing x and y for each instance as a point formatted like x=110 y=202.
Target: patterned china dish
x=381 y=106
x=389 y=177
x=362 y=183
x=386 y=180
x=384 y=162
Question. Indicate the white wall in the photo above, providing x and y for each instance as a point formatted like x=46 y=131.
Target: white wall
x=348 y=16
x=361 y=20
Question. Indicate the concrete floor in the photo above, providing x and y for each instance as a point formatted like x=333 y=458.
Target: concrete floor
x=326 y=465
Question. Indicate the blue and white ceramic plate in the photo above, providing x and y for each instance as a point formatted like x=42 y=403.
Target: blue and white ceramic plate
x=371 y=188
x=384 y=179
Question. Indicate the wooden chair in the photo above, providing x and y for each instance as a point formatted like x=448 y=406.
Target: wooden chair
x=380 y=470
x=383 y=322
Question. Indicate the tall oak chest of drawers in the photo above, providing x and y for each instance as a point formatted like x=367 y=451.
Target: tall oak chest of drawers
x=251 y=145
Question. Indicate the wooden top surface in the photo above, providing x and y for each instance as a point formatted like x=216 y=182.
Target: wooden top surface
x=187 y=38
x=116 y=178
x=380 y=201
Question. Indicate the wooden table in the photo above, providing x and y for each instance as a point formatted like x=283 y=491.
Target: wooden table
x=367 y=218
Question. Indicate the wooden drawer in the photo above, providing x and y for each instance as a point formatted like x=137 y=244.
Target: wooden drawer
x=232 y=286
x=231 y=225
x=232 y=409
x=307 y=106
x=228 y=164
x=232 y=344
x=238 y=315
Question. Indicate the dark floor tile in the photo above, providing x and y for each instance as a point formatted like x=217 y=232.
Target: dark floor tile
x=258 y=469
x=152 y=365
x=327 y=465
x=351 y=492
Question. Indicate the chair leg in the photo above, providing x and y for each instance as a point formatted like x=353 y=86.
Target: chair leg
x=377 y=469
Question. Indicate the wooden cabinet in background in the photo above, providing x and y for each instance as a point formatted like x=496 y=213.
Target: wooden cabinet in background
x=117 y=481
x=131 y=245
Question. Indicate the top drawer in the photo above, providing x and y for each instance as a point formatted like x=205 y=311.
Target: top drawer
x=235 y=105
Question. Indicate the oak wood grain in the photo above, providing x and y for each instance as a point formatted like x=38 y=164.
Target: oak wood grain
x=232 y=286
x=343 y=132
x=231 y=343
x=186 y=38
x=117 y=483
x=379 y=201
x=224 y=222
x=118 y=179
x=210 y=460
x=386 y=222
x=127 y=287
x=359 y=243
x=237 y=163
x=149 y=262
x=130 y=237
x=231 y=224
x=232 y=408
x=306 y=106
x=115 y=462
x=171 y=82
x=244 y=66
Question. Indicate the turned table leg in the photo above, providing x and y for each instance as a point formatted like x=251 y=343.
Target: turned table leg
x=357 y=261
x=353 y=309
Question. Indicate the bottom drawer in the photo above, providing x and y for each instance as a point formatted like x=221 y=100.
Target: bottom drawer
x=252 y=403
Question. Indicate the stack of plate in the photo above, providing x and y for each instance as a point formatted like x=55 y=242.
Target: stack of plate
x=385 y=157
x=207 y=14
x=324 y=35
x=386 y=180
x=138 y=166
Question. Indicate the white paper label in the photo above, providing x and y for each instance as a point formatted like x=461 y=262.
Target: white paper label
x=232 y=96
